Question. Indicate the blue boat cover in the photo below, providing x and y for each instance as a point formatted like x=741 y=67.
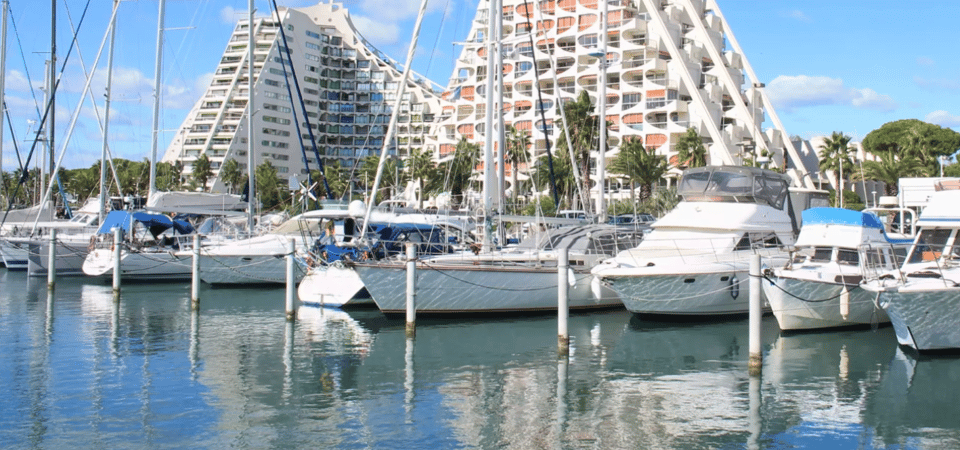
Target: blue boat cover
x=841 y=216
x=156 y=223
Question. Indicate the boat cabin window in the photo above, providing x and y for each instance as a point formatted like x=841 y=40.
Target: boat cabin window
x=734 y=185
x=758 y=240
x=821 y=254
x=848 y=256
x=929 y=245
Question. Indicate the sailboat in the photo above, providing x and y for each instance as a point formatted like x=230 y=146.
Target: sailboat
x=510 y=279
x=153 y=253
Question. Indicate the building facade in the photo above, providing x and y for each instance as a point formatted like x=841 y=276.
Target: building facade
x=656 y=67
x=347 y=92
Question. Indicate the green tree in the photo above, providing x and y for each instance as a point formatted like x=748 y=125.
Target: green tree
x=421 y=169
x=392 y=177
x=924 y=141
x=562 y=173
x=518 y=146
x=583 y=127
x=639 y=166
x=231 y=175
x=690 y=150
x=889 y=169
x=835 y=156
x=202 y=171
x=269 y=186
x=337 y=178
x=83 y=183
x=458 y=170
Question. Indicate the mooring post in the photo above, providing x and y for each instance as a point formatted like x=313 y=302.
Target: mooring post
x=563 y=302
x=117 y=232
x=411 y=290
x=756 y=314
x=291 y=279
x=52 y=260
x=195 y=285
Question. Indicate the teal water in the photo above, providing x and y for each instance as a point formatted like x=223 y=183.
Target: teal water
x=81 y=371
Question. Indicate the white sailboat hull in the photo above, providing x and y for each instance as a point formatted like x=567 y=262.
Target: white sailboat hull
x=15 y=256
x=333 y=285
x=467 y=288
x=70 y=255
x=139 y=266
x=253 y=269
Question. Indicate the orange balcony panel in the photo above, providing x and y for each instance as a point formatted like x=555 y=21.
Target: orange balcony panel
x=568 y=5
x=592 y=4
x=656 y=140
x=587 y=20
x=633 y=118
x=467 y=92
x=447 y=149
x=656 y=93
x=565 y=23
x=525 y=10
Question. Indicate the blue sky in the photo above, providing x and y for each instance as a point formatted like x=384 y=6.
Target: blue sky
x=847 y=66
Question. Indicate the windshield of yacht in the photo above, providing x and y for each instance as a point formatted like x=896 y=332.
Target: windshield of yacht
x=930 y=245
x=734 y=184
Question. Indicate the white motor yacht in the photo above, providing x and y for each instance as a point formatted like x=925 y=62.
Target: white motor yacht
x=820 y=287
x=696 y=260
x=922 y=297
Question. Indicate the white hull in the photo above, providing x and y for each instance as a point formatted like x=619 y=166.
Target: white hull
x=15 y=256
x=704 y=289
x=139 y=266
x=69 y=258
x=808 y=304
x=468 y=288
x=333 y=285
x=925 y=315
x=269 y=269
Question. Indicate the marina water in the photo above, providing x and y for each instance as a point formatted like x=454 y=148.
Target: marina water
x=82 y=371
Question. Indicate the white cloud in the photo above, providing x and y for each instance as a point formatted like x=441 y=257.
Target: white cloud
x=789 y=92
x=937 y=83
x=943 y=118
x=229 y=15
x=798 y=15
x=377 y=31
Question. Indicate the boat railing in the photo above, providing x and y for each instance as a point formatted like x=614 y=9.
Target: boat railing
x=882 y=261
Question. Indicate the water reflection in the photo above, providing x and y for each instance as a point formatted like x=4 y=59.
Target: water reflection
x=147 y=371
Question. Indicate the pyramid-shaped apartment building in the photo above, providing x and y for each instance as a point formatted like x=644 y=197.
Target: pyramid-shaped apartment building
x=656 y=67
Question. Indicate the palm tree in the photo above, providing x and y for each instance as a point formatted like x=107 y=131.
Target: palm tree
x=583 y=126
x=889 y=170
x=518 y=144
x=690 y=150
x=834 y=155
x=562 y=174
x=231 y=175
x=202 y=171
x=459 y=169
x=421 y=169
x=640 y=166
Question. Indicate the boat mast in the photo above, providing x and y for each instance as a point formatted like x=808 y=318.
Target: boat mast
x=251 y=169
x=3 y=71
x=156 y=102
x=489 y=182
x=391 y=127
x=101 y=210
x=51 y=82
x=602 y=121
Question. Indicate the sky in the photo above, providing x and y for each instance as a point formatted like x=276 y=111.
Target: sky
x=840 y=65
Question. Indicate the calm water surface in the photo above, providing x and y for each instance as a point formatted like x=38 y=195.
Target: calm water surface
x=81 y=371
